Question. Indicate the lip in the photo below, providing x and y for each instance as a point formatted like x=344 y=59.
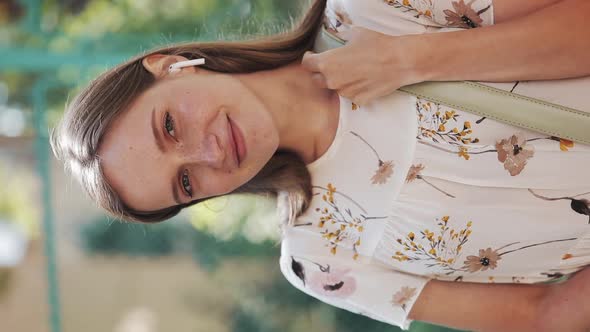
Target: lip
x=239 y=142
x=232 y=145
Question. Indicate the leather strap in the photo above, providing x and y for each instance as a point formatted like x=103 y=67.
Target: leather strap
x=497 y=104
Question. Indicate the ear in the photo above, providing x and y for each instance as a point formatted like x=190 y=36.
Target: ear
x=158 y=64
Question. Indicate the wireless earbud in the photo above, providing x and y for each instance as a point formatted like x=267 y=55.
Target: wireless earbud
x=175 y=67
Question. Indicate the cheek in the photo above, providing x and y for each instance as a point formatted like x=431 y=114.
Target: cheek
x=218 y=183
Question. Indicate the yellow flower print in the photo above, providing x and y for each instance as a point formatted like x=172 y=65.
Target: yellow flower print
x=340 y=226
x=434 y=249
x=417 y=8
x=438 y=127
x=463 y=152
x=565 y=145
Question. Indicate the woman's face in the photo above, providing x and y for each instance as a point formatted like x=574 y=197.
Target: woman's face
x=178 y=141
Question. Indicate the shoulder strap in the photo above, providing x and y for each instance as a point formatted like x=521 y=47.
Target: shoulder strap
x=511 y=108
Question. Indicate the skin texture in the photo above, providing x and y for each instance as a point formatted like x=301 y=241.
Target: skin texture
x=531 y=40
x=196 y=157
x=507 y=307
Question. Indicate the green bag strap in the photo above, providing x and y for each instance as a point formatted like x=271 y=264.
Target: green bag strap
x=511 y=108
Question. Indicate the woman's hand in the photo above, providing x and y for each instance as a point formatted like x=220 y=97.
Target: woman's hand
x=370 y=65
x=549 y=43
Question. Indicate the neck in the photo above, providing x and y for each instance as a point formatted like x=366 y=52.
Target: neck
x=300 y=110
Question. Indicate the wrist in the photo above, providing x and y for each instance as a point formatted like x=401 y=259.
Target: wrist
x=423 y=56
x=405 y=56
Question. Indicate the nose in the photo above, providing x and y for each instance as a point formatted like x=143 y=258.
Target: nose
x=207 y=152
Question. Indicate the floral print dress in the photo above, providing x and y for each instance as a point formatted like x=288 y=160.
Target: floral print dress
x=411 y=191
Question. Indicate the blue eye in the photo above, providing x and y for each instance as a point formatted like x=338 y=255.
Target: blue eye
x=169 y=124
x=186 y=183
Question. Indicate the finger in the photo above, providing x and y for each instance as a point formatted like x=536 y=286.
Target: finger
x=311 y=61
x=368 y=95
x=373 y=92
x=355 y=32
x=350 y=91
x=319 y=80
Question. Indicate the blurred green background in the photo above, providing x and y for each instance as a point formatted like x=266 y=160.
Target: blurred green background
x=213 y=268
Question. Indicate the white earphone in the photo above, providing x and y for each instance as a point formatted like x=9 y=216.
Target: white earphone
x=175 y=67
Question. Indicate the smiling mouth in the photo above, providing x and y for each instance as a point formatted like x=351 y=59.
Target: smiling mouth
x=234 y=145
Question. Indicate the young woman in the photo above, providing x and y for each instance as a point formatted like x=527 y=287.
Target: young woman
x=398 y=209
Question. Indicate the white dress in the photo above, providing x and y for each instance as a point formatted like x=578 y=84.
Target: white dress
x=411 y=191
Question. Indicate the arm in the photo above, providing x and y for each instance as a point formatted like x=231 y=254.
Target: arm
x=551 y=43
x=508 y=307
x=506 y=10
x=481 y=307
x=398 y=298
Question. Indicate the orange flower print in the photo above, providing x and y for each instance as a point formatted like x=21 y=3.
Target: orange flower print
x=443 y=250
x=464 y=15
x=401 y=297
x=383 y=173
x=487 y=258
x=414 y=173
x=579 y=205
x=336 y=20
x=385 y=168
x=565 y=145
x=567 y=256
x=514 y=153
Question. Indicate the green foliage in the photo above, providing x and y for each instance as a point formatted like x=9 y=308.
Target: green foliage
x=102 y=236
x=244 y=321
x=17 y=204
x=209 y=251
x=251 y=216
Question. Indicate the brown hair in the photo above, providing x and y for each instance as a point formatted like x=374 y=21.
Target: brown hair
x=77 y=138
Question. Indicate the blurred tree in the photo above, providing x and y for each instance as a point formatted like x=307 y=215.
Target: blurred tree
x=10 y=11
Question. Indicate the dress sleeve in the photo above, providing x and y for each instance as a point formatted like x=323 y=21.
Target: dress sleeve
x=466 y=14
x=361 y=287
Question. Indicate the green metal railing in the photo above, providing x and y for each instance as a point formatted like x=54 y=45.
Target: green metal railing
x=38 y=96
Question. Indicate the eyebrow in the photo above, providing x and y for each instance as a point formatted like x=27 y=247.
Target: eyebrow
x=156 y=132
x=161 y=148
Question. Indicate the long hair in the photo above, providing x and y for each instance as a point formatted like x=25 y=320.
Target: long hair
x=77 y=138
